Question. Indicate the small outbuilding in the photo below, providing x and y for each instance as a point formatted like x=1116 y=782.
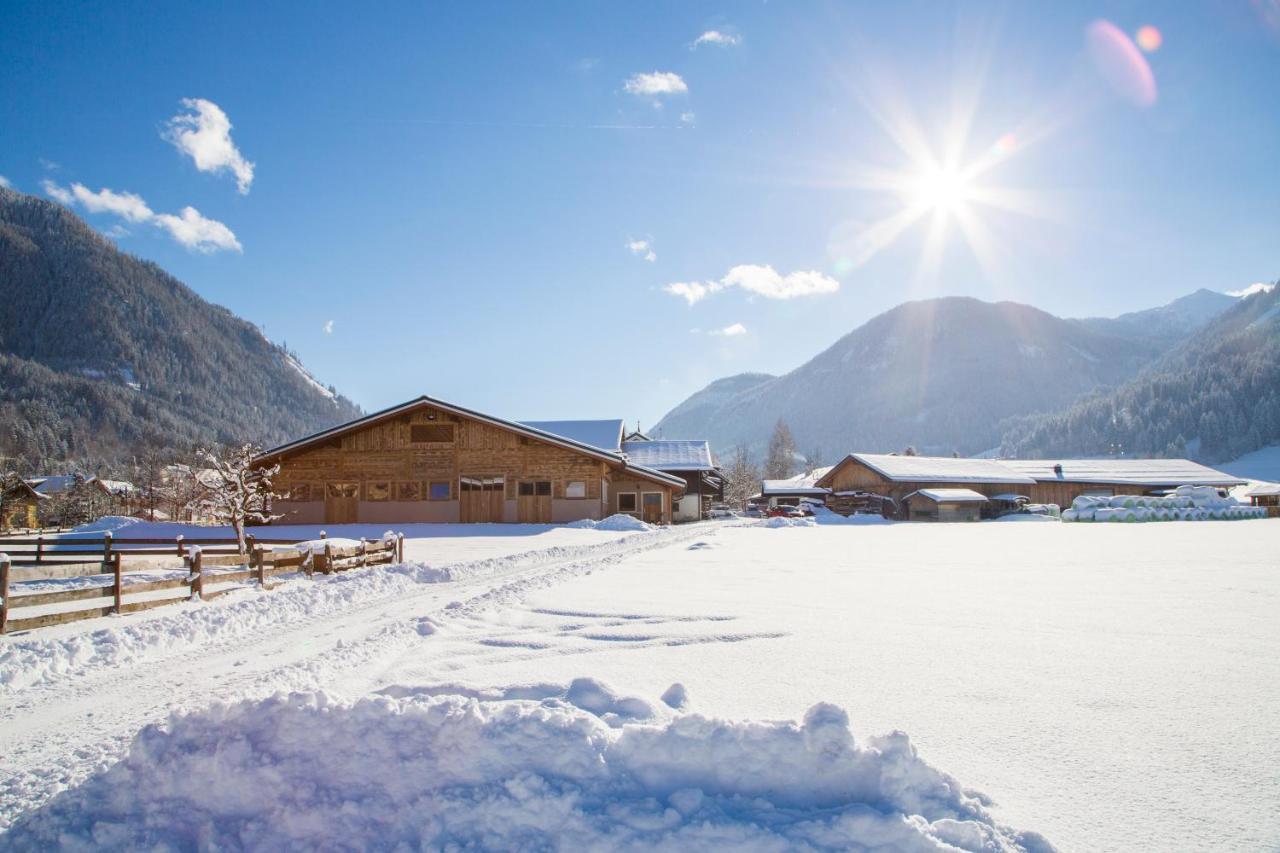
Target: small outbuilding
x=792 y=490
x=1267 y=495
x=944 y=505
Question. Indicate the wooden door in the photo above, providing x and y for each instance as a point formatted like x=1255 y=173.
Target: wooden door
x=481 y=499
x=341 y=503
x=651 y=508
x=533 y=501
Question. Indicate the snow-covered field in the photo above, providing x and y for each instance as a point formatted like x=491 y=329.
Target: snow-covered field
x=1107 y=685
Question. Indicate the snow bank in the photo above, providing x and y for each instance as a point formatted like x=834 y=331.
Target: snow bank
x=823 y=515
x=474 y=772
x=784 y=521
x=112 y=523
x=1187 y=503
x=617 y=523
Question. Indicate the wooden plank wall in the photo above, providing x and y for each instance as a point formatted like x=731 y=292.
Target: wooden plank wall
x=386 y=453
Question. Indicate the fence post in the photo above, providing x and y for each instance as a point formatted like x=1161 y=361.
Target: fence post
x=399 y=547
x=181 y=552
x=364 y=551
x=117 y=585
x=250 y=542
x=328 y=558
x=256 y=559
x=4 y=590
x=323 y=535
x=39 y=547
x=197 y=575
x=106 y=546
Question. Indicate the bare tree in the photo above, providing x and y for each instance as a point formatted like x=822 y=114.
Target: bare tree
x=148 y=475
x=741 y=478
x=239 y=490
x=813 y=460
x=781 y=461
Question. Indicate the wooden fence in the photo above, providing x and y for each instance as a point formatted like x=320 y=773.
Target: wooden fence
x=201 y=563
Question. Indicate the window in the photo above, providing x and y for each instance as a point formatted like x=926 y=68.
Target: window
x=525 y=489
x=411 y=491
x=343 y=490
x=426 y=433
x=300 y=492
x=377 y=492
x=575 y=489
x=542 y=488
x=440 y=491
x=626 y=501
x=653 y=498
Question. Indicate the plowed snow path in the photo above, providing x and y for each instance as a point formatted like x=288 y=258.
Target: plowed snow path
x=55 y=734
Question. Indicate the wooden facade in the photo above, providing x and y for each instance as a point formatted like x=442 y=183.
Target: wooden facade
x=431 y=462
x=853 y=476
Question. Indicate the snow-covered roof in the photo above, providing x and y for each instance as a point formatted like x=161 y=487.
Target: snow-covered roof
x=116 y=487
x=605 y=434
x=801 y=484
x=1134 y=472
x=951 y=496
x=940 y=469
x=52 y=485
x=673 y=455
x=1264 y=489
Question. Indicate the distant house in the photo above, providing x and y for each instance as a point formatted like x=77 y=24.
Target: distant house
x=1267 y=495
x=689 y=460
x=433 y=461
x=68 y=499
x=21 y=506
x=790 y=491
x=944 y=505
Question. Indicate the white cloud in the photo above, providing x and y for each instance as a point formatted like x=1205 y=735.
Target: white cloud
x=193 y=230
x=57 y=193
x=128 y=206
x=4 y=182
x=190 y=227
x=205 y=135
x=118 y=231
x=718 y=38
x=642 y=249
x=687 y=118
x=328 y=327
x=761 y=280
x=731 y=331
x=1256 y=287
x=655 y=84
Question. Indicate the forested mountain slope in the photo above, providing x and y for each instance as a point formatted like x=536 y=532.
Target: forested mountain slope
x=1214 y=397
x=103 y=355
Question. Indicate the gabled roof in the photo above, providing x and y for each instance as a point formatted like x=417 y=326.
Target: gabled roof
x=604 y=455
x=801 y=484
x=1130 y=472
x=673 y=455
x=1264 y=490
x=936 y=469
x=52 y=485
x=951 y=496
x=605 y=434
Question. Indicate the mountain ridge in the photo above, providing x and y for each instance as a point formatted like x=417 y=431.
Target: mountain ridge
x=104 y=355
x=942 y=375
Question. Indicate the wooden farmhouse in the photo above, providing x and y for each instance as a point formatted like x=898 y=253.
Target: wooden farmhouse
x=432 y=461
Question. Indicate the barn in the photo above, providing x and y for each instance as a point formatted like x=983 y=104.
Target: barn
x=896 y=477
x=428 y=460
x=1062 y=481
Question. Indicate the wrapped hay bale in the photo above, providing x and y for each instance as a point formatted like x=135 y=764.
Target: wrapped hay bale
x=1068 y=515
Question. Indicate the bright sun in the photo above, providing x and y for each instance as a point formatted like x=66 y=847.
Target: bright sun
x=940 y=189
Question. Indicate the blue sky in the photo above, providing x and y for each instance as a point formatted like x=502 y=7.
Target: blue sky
x=462 y=190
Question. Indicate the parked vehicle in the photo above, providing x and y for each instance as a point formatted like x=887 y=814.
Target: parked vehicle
x=721 y=511
x=756 y=511
x=786 y=512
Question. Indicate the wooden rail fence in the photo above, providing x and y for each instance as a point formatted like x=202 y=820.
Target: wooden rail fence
x=201 y=562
